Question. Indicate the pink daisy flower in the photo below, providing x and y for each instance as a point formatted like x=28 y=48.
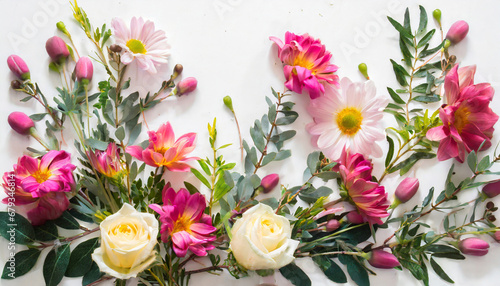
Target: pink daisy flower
x=348 y=118
x=141 y=43
x=184 y=222
x=106 y=162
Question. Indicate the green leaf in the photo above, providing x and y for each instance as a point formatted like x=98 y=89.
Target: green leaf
x=423 y=20
x=328 y=175
x=67 y=221
x=295 y=275
x=483 y=164
x=55 y=265
x=357 y=272
x=192 y=189
x=472 y=161
x=283 y=136
x=405 y=51
x=228 y=179
x=120 y=133
x=96 y=144
x=400 y=72
x=81 y=259
x=282 y=155
x=424 y=53
x=290 y=117
x=390 y=152
x=406 y=22
x=425 y=39
x=200 y=177
x=46 y=232
x=24 y=262
x=92 y=275
x=439 y=271
x=16 y=228
x=205 y=167
x=428 y=198
x=313 y=161
x=405 y=165
x=331 y=269
x=427 y=98
x=399 y=28
x=395 y=96
x=258 y=139
x=38 y=116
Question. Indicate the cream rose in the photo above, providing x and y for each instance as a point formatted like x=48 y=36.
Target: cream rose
x=128 y=238
x=261 y=239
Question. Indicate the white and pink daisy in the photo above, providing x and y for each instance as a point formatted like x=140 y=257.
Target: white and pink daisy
x=347 y=118
x=141 y=43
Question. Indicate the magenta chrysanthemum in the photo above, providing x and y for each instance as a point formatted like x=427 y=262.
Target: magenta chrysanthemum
x=164 y=150
x=307 y=64
x=184 y=222
x=348 y=118
x=141 y=43
x=106 y=162
x=467 y=119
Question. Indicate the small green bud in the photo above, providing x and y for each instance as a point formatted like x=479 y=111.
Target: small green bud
x=437 y=15
x=61 y=27
x=447 y=44
x=228 y=102
x=364 y=70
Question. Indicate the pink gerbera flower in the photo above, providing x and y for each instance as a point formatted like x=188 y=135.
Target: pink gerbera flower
x=369 y=197
x=467 y=119
x=307 y=64
x=106 y=162
x=348 y=118
x=141 y=43
x=163 y=151
x=184 y=222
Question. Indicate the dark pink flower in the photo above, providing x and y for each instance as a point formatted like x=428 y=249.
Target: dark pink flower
x=407 y=189
x=186 y=86
x=307 y=64
x=106 y=162
x=84 y=70
x=164 y=150
x=18 y=67
x=381 y=259
x=457 y=32
x=473 y=246
x=269 y=182
x=184 y=222
x=20 y=122
x=467 y=119
x=492 y=189
x=57 y=49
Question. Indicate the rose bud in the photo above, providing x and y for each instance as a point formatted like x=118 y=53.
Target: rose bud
x=84 y=70
x=457 y=32
x=20 y=122
x=269 y=182
x=492 y=189
x=382 y=259
x=407 y=189
x=473 y=246
x=57 y=49
x=332 y=225
x=354 y=217
x=18 y=67
x=186 y=86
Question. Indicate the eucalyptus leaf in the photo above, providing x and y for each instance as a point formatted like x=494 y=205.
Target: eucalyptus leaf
x=16 y=228
x=24 y=262
x=55 y=265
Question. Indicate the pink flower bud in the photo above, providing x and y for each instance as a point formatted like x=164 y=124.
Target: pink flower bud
x=186 y=86
x=57 y=49
x=332 y=225
x=382 y=259
x=407 y=189
x=354 y=217
x=473 y=246
x=18 y=67
x=496 y=235
x=84 y=69
x=20 y=122
x=492 y=189
x=269 y=182
x=457 y=32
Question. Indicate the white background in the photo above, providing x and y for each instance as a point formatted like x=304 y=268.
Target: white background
x=225 y=45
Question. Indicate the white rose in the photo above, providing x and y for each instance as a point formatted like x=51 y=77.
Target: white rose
x=128 y=238
x=261 y=239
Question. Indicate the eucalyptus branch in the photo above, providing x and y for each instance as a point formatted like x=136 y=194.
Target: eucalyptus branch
x=69 y=239
x=211 y=268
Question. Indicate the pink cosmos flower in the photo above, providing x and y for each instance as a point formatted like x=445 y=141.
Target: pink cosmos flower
x=348 y=118
x=467 y=119
x=141 y=42
x=106 y=162
x=184 y=222
x=369 y=197
x=163 y=151
x=43 y=183
x=307 y=64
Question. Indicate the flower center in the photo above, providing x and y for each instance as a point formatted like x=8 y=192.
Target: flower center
x=182 y=224
x=125 y=230
x=349 y=120
x=136 y=46
x=302 y=62
x=41 y=175
x=461 y=118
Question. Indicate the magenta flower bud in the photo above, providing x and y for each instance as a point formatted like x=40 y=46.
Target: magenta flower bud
x=457 y=32
x=186 y=86
x=20 y=122
x=407 y=189
x=332 y=225
x=18 y=67
x=473 y=246
x=269 y=182
x=496 y=235
x=57 y=49
x=382 y=259
x=492 y=189
x=354 y=217
x=84 y=69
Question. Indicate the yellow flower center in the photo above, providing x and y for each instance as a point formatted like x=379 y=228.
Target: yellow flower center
x=461 y=118
x=41 y=175
x=125 y=230
x=349 y=120
x=301 y=62
x=182 y=224
x=136 y=46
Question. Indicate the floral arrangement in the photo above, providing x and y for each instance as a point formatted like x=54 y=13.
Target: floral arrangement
x=249 y=221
